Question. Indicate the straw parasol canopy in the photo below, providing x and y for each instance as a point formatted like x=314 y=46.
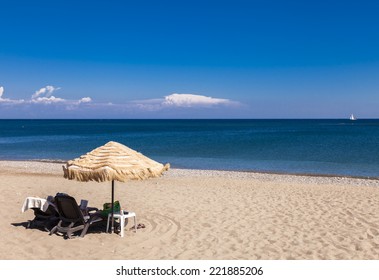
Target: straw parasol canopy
x=111 y=162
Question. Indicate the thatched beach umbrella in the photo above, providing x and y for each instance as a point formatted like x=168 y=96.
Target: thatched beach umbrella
x=111 y=162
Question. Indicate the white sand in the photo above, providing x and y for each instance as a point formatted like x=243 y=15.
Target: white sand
x=198 y=214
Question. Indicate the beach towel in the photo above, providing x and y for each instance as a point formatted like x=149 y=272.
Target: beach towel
x=35 y=202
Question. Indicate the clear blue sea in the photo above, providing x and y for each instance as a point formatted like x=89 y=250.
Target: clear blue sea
x=326 y=147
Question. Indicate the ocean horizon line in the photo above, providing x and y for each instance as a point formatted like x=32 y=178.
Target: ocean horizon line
x=183 y=119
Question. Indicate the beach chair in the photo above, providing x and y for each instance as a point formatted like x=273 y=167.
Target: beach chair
x=72 y=218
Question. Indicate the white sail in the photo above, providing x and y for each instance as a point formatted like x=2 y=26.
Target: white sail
x=352 y=117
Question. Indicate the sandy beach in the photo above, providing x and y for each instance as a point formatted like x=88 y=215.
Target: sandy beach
x=200 y=214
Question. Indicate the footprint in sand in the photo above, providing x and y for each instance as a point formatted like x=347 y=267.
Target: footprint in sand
x=372 y=232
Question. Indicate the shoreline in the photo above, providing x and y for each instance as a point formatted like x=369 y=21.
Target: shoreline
x=42 y=168
x=48 y=161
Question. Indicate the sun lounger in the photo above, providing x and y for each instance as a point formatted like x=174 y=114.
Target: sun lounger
x=72 y=218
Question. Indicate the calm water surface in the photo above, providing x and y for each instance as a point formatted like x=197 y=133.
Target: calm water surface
x=330 y=147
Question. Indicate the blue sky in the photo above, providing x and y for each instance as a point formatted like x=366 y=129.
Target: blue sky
x=189 y=59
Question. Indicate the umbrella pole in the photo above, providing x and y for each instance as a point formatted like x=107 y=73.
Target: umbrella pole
x=112 y=225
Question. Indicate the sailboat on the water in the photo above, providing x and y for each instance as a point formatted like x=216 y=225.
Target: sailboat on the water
x=352 y=118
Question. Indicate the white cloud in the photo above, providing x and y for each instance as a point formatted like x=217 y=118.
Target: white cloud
x=192 y=100
x=44 y=96
x=7 y=100
x=48 y=100
x=85 y=100
x=47 y=91
x=182 y=100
